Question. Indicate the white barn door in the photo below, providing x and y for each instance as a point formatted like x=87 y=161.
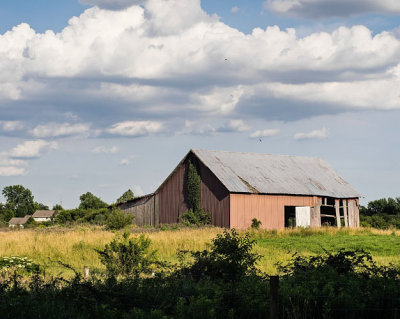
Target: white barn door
x=303 y=216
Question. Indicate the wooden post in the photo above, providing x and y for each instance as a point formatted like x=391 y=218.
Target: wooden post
x=351 y=212
x=356 y=214
x=346 y=221
x=337 y=213
x=86 y=272
x=274 y=296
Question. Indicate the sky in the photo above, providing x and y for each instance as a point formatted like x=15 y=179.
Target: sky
x=105 y=96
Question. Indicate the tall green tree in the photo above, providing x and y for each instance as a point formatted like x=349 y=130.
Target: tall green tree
x=40 y=206
x=128 y=195
x=58 y=207
x=89 y=201
x=19 y=200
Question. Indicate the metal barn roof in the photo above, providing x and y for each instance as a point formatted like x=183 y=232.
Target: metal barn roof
x=275 y=174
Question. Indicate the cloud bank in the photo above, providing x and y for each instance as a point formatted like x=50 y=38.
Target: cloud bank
x=311 y=9
x=139 y=71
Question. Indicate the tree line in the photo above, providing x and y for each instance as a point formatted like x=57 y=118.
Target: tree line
x=92 y=209
x=382 y=213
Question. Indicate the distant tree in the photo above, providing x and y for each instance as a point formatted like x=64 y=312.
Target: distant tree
x=40 y=206
x=128 y=195
x=58 y=207
x=384 y=206
x=2 y=214
x=89 y=201
x=19 y=200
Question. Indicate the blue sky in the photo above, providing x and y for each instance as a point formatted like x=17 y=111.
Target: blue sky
x=102 y=95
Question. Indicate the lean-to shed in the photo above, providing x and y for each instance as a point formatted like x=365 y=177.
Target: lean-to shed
x=278 y=190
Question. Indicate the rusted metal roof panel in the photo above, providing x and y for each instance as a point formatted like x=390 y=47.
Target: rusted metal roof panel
x=275 y=174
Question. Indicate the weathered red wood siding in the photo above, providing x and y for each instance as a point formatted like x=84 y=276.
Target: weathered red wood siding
x=269 y=209
x=172 y=196
x=214 y=198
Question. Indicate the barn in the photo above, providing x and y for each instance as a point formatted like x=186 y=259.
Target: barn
x=278 y=190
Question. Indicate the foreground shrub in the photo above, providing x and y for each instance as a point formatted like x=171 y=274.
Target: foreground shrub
x=345 y=284
x=128 y=257
x=230 y=258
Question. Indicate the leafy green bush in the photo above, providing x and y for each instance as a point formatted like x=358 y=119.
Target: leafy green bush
x=31 y=223
x=230 y=258
x=118 y=220
x=345 y=284
x=255 y=223
x=129 y=257
x=198 y=218
x=91 y=216
x=19 y=264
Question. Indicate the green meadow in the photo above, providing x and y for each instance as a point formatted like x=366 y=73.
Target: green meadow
x=77 y=246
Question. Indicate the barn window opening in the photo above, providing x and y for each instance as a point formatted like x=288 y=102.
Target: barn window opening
x=328 y=212
x=297 y=216
x=290 y=216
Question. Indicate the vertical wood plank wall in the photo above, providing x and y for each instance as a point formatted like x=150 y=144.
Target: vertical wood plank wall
x=143 y=211
x=171 y=197
x=269 y=209
x=353 y=213
x=214 y=198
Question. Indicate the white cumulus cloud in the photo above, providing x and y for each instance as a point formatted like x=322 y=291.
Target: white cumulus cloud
x=264 y=133
x=31 y=149
x=104 y=149
x=234 y=126
x=60 y=129
x=10 y=126
x=332 y=8
x=316 y=134
x=136 y=128
x=172 y=59
x=11 y=171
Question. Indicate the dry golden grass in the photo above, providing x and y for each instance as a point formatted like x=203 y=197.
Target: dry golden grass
x=76 y=246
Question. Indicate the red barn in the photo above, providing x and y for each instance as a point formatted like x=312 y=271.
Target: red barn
x=278 y=190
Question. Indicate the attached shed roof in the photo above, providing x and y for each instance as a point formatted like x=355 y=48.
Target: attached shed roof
x=43 y=214
x=275 y=174
x=135 y=201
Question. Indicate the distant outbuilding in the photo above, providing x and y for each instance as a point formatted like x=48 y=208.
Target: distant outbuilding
x=44 y=216
x=18 y=221
x=278 y=190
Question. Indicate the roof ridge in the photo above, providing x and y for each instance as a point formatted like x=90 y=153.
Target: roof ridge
x=255 y=153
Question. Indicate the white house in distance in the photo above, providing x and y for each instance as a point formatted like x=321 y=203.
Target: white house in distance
x=18 y=221
x=43 y=216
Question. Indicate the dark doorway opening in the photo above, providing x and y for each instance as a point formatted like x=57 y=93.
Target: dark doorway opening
x=290 y=216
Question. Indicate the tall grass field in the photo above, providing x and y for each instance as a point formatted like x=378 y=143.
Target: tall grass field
x=52 y=247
